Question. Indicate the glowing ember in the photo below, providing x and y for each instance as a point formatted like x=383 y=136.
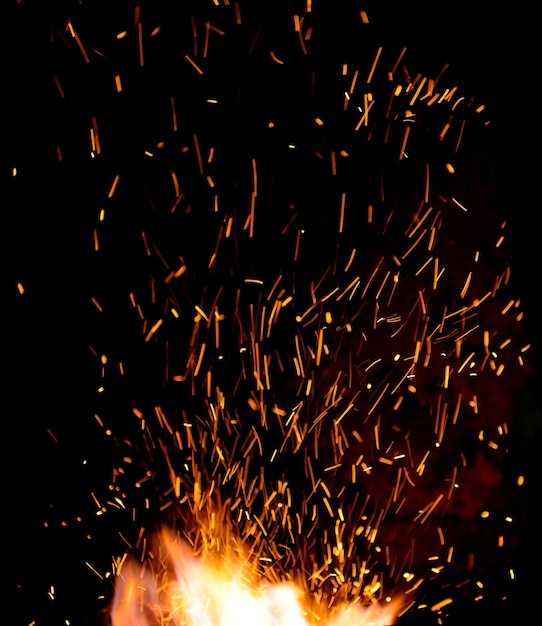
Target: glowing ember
x=215 y=589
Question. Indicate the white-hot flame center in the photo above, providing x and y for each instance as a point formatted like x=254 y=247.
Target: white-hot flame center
x=194 y=591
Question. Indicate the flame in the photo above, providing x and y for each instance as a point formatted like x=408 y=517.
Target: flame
x=181 y=588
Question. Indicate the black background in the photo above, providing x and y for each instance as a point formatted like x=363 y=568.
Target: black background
x=50 y=374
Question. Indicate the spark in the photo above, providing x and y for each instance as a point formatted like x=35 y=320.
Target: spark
x=322 y=342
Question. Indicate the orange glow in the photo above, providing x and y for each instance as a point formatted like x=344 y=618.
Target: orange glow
x=220 y=587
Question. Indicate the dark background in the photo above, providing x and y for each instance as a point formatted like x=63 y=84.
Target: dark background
x=54 y=455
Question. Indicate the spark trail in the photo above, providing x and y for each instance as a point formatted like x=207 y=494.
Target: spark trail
x=308 y=291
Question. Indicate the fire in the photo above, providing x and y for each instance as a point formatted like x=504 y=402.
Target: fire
x=222 y=588
x=300 y=304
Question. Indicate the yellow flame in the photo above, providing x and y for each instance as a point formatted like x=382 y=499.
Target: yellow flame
x=185 y=589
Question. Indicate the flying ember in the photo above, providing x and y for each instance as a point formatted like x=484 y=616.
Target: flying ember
x=303 y=324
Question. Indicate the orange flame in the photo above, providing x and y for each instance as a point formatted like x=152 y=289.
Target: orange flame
x=200 y=590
